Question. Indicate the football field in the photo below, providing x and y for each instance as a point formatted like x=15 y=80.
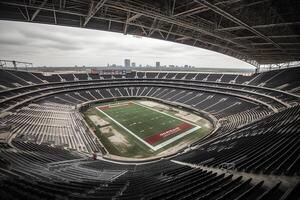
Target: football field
x=152 y=127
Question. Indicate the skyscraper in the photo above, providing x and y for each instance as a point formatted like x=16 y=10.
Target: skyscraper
x=127 y=63
x=157 y=64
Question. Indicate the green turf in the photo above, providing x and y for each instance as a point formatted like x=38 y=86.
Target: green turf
x=138 y=149
x=142 y=121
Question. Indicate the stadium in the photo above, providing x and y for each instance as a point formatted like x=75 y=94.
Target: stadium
x=131 y=133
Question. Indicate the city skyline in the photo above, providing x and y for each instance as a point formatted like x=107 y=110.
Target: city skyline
x=129 y=63
x=67 y=46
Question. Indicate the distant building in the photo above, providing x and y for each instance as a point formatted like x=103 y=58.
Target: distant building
x=133 y=64
x=157 y=64
x=127 y=63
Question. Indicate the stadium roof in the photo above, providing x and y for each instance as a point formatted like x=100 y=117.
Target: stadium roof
x=256 y=31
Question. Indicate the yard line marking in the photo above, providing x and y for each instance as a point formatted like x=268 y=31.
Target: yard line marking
x=166 y=114
x=158 y=146
x=140 y=139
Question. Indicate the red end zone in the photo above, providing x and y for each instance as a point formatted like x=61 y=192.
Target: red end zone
x=169 y=132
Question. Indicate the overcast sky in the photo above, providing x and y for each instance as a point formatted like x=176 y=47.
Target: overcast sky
x=65 y=46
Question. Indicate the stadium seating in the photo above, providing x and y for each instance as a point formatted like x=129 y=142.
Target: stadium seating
x=46 y=155
x=53 y=124
x=268 y=146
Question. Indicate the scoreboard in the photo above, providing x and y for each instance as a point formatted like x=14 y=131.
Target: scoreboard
x=122 y=72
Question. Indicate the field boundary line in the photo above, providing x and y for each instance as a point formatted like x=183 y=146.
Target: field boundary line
x=163 y=144
x=177 y=137
x=167 y=114
x=129 y=131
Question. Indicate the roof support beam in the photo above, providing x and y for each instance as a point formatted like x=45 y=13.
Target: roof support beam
x=138 y=24
x=188 y=25
x=126 y=24
x=234 y=19
x=109 y=25
x=182 y=38
x=152 y=29
x=282 y=43
x=130 y=19
x=26 y=17
x=62 y=4
x=173 y=7
x=270 y=36
x=93 y=10
x=134 y=17
x=187 y=11
x=38 y=10
x=201 y=8
x=169 y=31
x=234 y=28
x=162 y=35
x=54 y=15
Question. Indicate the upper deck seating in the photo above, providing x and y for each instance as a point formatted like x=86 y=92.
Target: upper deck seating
x=270 y=145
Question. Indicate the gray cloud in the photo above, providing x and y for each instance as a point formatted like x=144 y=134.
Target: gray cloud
x=66 y=46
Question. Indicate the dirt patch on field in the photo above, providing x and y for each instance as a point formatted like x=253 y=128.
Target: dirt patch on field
x=98 y=121
x=181 y=145
x=114 y=136
x=153 y=104
x=188 y=116
x=159 y=107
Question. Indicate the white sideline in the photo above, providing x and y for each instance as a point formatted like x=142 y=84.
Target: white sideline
x=165 y=114
x=177 y=137
x=119 y=124
x=161 y=145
